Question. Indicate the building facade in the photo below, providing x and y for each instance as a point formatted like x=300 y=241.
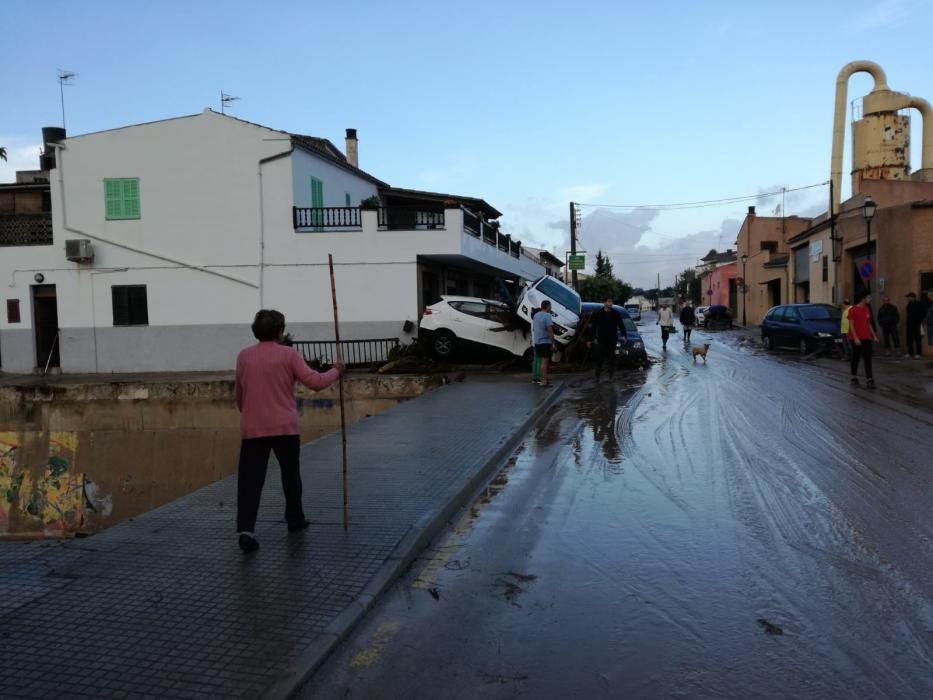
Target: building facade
x=168 y=236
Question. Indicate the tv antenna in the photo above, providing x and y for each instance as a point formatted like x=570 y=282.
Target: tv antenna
x=64 y=78
x=226 y=99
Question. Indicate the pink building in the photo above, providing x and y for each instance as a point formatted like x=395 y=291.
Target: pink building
x=718 y=279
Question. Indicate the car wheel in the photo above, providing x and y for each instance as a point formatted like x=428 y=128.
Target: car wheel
x=444 y=343
x=804 y=346
x=529 y=357
x=769 y=344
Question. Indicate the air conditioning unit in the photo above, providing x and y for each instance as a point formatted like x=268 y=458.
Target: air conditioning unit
x=79 y=250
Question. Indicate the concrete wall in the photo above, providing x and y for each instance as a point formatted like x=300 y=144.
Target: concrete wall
x=81 y=457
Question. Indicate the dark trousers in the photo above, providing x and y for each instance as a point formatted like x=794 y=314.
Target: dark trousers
x=890 y=335
x=605 y=352
x=862 y=351
x=913 y=339
x=665 y=334
x=254 y=459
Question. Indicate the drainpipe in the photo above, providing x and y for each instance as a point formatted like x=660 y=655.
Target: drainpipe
x=839 y=117
x=59 y=147
x=926 y=152
x=262 y=225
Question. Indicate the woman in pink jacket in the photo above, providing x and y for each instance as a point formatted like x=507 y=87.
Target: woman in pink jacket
x=265 y=394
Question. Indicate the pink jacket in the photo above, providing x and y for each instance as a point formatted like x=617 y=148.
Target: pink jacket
x=265 y=388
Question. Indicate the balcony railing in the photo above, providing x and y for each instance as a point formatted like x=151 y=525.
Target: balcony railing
x=356 y=353
x=402 y=217
x=326 y=217
x=25 y=229
x=489 y=233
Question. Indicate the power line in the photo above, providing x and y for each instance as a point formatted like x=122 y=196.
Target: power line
x=707 y=202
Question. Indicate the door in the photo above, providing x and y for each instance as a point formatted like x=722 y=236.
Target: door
x=45 y=325
x=472 y=323
x=790 y=331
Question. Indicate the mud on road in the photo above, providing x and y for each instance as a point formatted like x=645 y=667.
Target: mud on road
x=748 y=528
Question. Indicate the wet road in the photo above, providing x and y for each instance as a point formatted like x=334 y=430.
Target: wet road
x=752 y=528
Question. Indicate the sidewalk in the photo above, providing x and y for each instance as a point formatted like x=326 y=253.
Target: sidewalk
x=166 y=605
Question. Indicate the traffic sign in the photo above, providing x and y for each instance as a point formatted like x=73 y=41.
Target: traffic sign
x=709 y=292
x=866 y=270
x=576 y=262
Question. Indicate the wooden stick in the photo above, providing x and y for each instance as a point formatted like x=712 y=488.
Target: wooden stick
x=343 y=422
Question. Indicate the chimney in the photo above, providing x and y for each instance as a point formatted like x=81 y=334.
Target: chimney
x=751 y=210
x=50 y=135
x=352 y=148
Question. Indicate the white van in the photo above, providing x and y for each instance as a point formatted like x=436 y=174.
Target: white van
x=565 y=305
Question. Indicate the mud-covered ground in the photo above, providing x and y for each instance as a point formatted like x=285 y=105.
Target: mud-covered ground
x=749 y=528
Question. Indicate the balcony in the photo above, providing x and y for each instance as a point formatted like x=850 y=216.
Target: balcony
x=25 y=229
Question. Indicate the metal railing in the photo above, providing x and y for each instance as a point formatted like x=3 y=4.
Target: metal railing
x=326 y=217
x=408 y=217
x=356 y=353
x=25 y=229
x=490 y=234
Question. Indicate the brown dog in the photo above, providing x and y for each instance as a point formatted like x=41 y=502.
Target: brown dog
x=700 y=350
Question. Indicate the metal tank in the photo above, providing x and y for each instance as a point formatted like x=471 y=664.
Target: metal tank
x=880 y=148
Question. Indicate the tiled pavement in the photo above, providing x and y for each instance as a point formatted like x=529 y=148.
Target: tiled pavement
x=165 y=606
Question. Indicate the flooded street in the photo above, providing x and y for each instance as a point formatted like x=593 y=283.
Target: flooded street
x=749 y=528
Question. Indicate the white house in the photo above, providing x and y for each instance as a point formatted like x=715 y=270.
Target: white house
x=168 y=236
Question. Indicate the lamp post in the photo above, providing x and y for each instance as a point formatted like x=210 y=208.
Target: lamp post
x=744 y=292
x=868 y=212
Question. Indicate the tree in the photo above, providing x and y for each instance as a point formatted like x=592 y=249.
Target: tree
x=603 y=266
x=2 y=153
x=688 y=285
x=598 y=288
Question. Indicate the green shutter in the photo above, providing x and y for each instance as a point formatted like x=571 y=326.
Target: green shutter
x=317 y=202
x=346 y=200
x=113 y=196
x=121 y=198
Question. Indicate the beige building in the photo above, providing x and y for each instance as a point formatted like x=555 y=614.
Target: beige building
x=767 y=272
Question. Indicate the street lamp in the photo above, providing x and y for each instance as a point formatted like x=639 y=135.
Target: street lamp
x=744 y=291
x=868 y=212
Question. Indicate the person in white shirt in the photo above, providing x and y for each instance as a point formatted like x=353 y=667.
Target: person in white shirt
x=666 y=321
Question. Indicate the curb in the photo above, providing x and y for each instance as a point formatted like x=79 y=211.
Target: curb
x=402 y=557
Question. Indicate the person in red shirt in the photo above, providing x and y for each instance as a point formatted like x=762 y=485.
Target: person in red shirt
x=862 y=336
x=265 y=395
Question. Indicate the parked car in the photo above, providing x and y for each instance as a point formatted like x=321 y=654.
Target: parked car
x=634 y=310
x=457 y=321
x=565 y=305
x=630 y=349
x=700 y=313
x=717 y=317
x=807 y=327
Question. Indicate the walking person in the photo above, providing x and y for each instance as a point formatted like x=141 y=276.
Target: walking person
x=844 y=328
x=606 y=323
x=928 y=322
x=265 y=395
x=862 y=335
x=916 y=314
x=688 y=320
x=542 y=335
x=666 y=321
x=888 y=318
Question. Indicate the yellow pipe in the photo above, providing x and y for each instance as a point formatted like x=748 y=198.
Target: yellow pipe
x=926 y=112
x=839 y=117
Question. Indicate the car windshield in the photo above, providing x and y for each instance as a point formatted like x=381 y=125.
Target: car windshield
x=632 y=307
x=820 y=313
x=560 y=294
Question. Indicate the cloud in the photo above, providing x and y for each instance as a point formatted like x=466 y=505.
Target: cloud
x=20 y=156
x=584 y=193
x=885 y=14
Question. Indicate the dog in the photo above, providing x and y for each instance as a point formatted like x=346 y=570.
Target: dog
x=700 y=350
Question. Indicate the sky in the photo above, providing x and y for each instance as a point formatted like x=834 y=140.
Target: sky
x=526 y=104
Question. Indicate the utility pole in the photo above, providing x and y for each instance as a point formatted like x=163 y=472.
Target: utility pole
x=573 y=242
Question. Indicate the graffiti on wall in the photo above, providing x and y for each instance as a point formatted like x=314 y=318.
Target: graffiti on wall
x=53 y=500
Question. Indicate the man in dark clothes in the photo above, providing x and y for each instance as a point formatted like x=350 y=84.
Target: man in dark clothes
x=915 y=315
x=688 y=319
x=606 y=324
x=888 y=318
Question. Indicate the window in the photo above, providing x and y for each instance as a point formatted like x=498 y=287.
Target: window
x=473 y=308
x=12 y=311
x=130 y=306
x=791 y=315
x=121 y=198
x=346 y=200
x=820 y=312
x=825 y=268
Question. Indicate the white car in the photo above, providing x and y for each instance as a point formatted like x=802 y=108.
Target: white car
x=700 y=313
x=457 y=320
x=566 y=305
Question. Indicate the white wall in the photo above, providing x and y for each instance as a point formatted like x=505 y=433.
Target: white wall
x=337 y=182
